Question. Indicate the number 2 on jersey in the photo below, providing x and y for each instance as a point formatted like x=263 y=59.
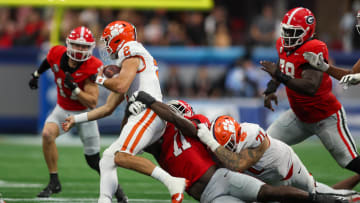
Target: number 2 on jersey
x=126 y=51
x=184 y=144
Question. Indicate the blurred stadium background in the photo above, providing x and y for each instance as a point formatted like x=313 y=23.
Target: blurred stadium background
x=208 y=53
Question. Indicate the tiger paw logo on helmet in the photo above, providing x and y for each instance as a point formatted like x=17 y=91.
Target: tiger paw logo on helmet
x=229 y=125
x=116 y=29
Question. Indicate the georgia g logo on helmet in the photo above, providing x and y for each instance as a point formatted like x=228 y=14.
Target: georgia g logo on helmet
x=309 y=20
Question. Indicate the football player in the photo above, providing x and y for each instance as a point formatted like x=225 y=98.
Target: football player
x=182 y=154
x=139 y=71
x=347 y=77
x=74 y=70
x=314 y=108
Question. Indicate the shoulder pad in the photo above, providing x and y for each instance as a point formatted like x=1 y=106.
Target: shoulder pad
x=130 y=49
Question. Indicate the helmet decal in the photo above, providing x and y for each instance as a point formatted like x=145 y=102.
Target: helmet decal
x=309 y=19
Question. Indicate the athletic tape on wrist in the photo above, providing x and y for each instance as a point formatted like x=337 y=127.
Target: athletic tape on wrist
x=83 y=117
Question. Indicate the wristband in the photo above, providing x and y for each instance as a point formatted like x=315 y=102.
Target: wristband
x=271 y=87
x=80 y=118
x=281 y=77
x=145 y=98
x=76 y=91
x=36 y=74
x=100 y=80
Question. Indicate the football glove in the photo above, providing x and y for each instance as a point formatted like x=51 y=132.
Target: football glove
x=33 y=83
x=69 y=81
x=351 y=79
x=135 y=107
x=143 y=97
x=316 y=60
x=205 y=137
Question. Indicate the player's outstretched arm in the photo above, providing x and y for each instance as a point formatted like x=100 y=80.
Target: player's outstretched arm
x=308 y=84
x=33 y=83
x=317 y=61
x=108 y=108
x=166 y=113
x=234 y=161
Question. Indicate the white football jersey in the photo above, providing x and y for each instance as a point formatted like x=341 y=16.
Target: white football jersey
x=275 y=163
x=146 y=79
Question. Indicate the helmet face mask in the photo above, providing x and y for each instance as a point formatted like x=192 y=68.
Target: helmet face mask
x=291 y=36
x=181 y=107
x=80 y=44
x=297 y=26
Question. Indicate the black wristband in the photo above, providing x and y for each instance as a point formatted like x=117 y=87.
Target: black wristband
x=145 y=98
x=271 y=87
x=281 y=77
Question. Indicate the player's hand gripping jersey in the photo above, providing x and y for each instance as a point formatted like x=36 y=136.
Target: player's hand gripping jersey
x=147 y=78
x=86 y=70
x=179 y=153
x=309 y=109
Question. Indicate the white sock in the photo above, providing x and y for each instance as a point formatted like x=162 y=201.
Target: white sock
x=174 y=184
x=108 y=179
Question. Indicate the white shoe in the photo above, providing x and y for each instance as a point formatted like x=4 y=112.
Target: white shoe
x=177 y=188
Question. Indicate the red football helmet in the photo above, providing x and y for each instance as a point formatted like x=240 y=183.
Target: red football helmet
x=358 y=22
x=226 y=131
x=75 y=42
x=116 y=34
x=181 y=107
x=297 y=26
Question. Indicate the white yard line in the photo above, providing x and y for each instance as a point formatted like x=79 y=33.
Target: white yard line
x=6 y=184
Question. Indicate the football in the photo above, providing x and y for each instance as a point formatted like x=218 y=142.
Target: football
x=110 y=71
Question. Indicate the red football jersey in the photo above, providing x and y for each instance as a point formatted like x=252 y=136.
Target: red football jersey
x=309 y=109
x=183 y=156
x=88 y=68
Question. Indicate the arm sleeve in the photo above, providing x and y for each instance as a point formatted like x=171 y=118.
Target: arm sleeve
x=44 y=66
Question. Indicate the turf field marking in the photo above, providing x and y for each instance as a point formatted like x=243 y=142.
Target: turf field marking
x=18 y=185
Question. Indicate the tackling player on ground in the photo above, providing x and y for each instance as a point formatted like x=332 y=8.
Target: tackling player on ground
x=179 y=148
x=74 y=70
x=314 y=108
x=139 y=71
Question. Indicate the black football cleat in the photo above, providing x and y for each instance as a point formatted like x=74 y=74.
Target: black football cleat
x=120 y=196
x=51 y=188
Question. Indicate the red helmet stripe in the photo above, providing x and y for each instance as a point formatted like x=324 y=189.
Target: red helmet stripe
x=292 y=14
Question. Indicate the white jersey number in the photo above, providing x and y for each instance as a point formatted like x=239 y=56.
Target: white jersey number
x=62 y=93
x=287 y=67
x=184 y=144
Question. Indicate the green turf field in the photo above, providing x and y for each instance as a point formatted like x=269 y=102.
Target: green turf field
x=23 y=173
